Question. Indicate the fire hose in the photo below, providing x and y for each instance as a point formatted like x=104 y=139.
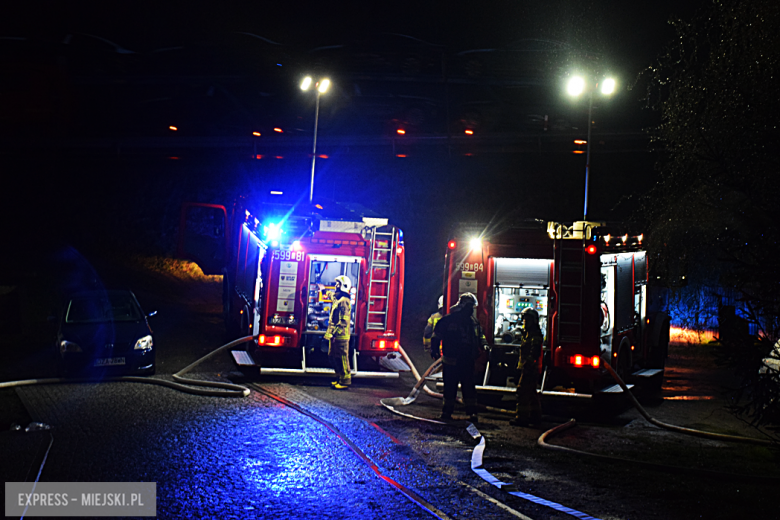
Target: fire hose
x=190 y=386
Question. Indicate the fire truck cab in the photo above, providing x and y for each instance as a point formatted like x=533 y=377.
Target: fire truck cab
x=279 y=265
x=588 y=281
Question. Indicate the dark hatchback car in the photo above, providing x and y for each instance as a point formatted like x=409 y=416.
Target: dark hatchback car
x=105 y=331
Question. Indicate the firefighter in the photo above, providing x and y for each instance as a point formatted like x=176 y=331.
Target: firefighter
x=338 y=333
x=529 y=407
x=462 y=341
x=428 y=332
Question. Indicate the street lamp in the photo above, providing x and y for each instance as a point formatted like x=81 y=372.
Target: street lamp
x=576 y=86
x=321 y=87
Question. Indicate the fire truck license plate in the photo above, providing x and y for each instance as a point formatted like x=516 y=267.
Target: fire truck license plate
x=109 y=362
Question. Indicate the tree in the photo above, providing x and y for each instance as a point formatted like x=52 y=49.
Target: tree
x=717 y=204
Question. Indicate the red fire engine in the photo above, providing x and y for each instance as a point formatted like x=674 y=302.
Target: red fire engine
x=278 y=266
x=589 y=283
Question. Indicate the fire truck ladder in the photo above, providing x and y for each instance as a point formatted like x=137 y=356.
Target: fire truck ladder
x=572 y=255
x=381 y=267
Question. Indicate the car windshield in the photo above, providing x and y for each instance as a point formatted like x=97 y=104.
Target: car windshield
x=103 y=308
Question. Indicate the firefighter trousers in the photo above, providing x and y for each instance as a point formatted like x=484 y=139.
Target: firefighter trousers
x=462 y=373
x=529 y=406
x=338 y=355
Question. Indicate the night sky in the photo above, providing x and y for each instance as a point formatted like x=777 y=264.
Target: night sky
x=81 y=197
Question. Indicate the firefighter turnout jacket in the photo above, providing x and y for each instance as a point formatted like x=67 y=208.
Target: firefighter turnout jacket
x=461 y=337
x=530 y=347
x=340 y=314
x=428 y=334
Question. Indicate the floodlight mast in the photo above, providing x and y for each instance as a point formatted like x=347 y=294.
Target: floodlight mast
x=576 y=86
x=321 y=87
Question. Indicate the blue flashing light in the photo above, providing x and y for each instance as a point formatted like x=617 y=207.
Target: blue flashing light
x=400 y=237
x=273 y=232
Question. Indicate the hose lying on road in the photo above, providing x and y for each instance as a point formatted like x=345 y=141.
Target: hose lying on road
x=679 y=429
x=541 y=441
x=180 y=383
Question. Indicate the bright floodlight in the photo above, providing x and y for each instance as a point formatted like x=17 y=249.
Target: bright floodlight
x=476 y=244
x=608 y=86
x=323 y=85
x=576 y=86
x=306 y=83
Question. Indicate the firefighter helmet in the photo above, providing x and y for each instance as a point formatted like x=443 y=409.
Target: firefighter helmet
x=441 y=302
x=346 y=284
x=468 y=299
x=530 y=314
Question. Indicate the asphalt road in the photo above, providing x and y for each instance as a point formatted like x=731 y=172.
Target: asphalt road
x=292 y=448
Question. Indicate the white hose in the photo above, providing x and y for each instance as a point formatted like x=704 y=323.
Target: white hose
x=416 y=374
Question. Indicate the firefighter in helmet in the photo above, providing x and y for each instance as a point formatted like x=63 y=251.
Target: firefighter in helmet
x=529 y=407
x=462 y=341
x=338 y=333
x=428 y=332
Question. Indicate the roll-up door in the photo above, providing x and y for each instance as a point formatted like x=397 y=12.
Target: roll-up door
x=522 y=271
x=640 y=267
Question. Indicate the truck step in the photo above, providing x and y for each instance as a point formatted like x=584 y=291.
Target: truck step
x=648 y=372
x=435 y=377
x=614 y=389
x=394 y=365
x=242 y=358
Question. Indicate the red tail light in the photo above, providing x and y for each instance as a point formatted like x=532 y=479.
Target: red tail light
x=582 y=361
x=452 y=244
x=271 y=341
x=591 y=249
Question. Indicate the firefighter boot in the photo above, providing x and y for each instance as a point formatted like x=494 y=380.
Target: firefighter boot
x=446 y=413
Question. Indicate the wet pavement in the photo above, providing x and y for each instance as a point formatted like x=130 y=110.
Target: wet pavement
x=232 y=458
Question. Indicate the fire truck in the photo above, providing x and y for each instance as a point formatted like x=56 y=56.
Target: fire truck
x=589 y=283
x=279 y=263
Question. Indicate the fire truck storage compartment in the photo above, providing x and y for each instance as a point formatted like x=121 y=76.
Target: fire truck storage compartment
x=623 y=294
x=520 y=283
x=323 y=271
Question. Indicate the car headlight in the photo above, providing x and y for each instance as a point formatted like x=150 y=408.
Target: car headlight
x=69 y=346
x=144 y=343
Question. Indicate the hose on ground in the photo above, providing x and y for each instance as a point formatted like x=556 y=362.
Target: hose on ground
x=416 y=374
x=190 y=386
x=672 y=427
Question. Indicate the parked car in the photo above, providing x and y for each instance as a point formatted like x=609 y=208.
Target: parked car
x=105 y=331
